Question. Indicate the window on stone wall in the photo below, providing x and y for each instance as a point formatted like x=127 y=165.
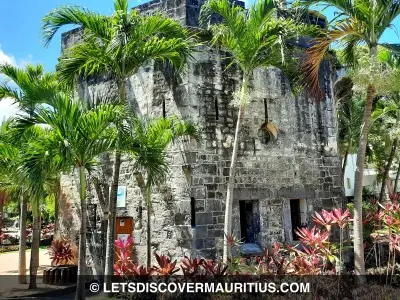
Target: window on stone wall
x=216 y=109
x=164 y=113
x=348 y=183
x=249 y=221
x=268 y=132
x=298 y=215
x=192 y=212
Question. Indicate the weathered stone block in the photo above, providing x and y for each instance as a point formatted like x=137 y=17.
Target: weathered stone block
x=327 y=202
x=199 y=243
x=200 y=205
x=213 y=205
x=209 y=243
x=201 y=232
x=216 y=233
x=204 y=218
x=181 y=219
x=185 y=243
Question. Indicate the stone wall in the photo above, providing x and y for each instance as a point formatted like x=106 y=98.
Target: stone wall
x=301 y=164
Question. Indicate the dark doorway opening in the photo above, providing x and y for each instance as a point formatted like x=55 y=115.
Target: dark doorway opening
x=295 y=216
x=249 y=227
x=192 y=212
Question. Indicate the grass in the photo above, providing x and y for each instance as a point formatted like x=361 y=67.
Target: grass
x=3 y=251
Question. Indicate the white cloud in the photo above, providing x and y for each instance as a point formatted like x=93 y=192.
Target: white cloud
x=7 y=109
x=4 y=58
x=10 y=59
x=7 y=106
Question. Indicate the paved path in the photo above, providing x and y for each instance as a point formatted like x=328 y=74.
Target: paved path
x=89 y=295
x=9 y=285
x=9 y=262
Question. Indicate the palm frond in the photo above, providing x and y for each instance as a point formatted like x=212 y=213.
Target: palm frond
x=349 y=30
x=74 y=15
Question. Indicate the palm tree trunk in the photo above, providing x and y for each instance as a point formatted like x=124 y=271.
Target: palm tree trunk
x=80 y=287
x=345 y=164
x=22 y=241
x=397 y=179
x=387 y=169
x=2 y=201
x=34 y=264
x=109 y=265
x=359 y=264
x=231 y=181
x=56 y=212
x=148 y=227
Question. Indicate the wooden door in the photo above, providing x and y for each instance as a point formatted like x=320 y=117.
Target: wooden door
x=123 y=229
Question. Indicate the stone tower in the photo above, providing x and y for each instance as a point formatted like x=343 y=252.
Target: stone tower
x=288 y=166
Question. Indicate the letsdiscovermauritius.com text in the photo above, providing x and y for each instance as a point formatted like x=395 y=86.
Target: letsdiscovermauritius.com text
x=207 y=287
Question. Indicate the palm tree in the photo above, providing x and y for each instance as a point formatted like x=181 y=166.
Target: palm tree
x=11 y=183
x=13 y=150
x=79 y=132
x=359 y=22
x=254 y=38
x=147 y=145
x=118 y=45
x=31 y=86
x=380 y=146
x=388 y=111
x=349 y=127
x=397 y=177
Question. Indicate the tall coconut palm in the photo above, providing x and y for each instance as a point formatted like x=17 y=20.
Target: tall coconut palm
x=360 y=22
x=78 y=134
x=147 y=145
x=254 y=38
x=118 y=45
x=30 y=86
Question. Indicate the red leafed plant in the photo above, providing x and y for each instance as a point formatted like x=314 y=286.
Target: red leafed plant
x=138 y=270
x=60 y=252
x=46 y=234
x=307 y=261
x=166 y=266
x=124 y=264
x=325 y=219
x=313 y=237
x=394 y=198
x=3 y=237
x=215 y=268
x=340 y=217
x=191 y=267
x=124 y=244
x=121 y=270
x=273 y=262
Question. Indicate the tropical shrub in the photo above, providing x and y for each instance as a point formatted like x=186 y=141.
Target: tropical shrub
x=320 y=251
x=166 y=266
x=4 y=237
x=191 y=266
x=48 y=231
x=60 y=253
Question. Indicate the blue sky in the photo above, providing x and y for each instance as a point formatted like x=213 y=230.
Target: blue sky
x=21 y=21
